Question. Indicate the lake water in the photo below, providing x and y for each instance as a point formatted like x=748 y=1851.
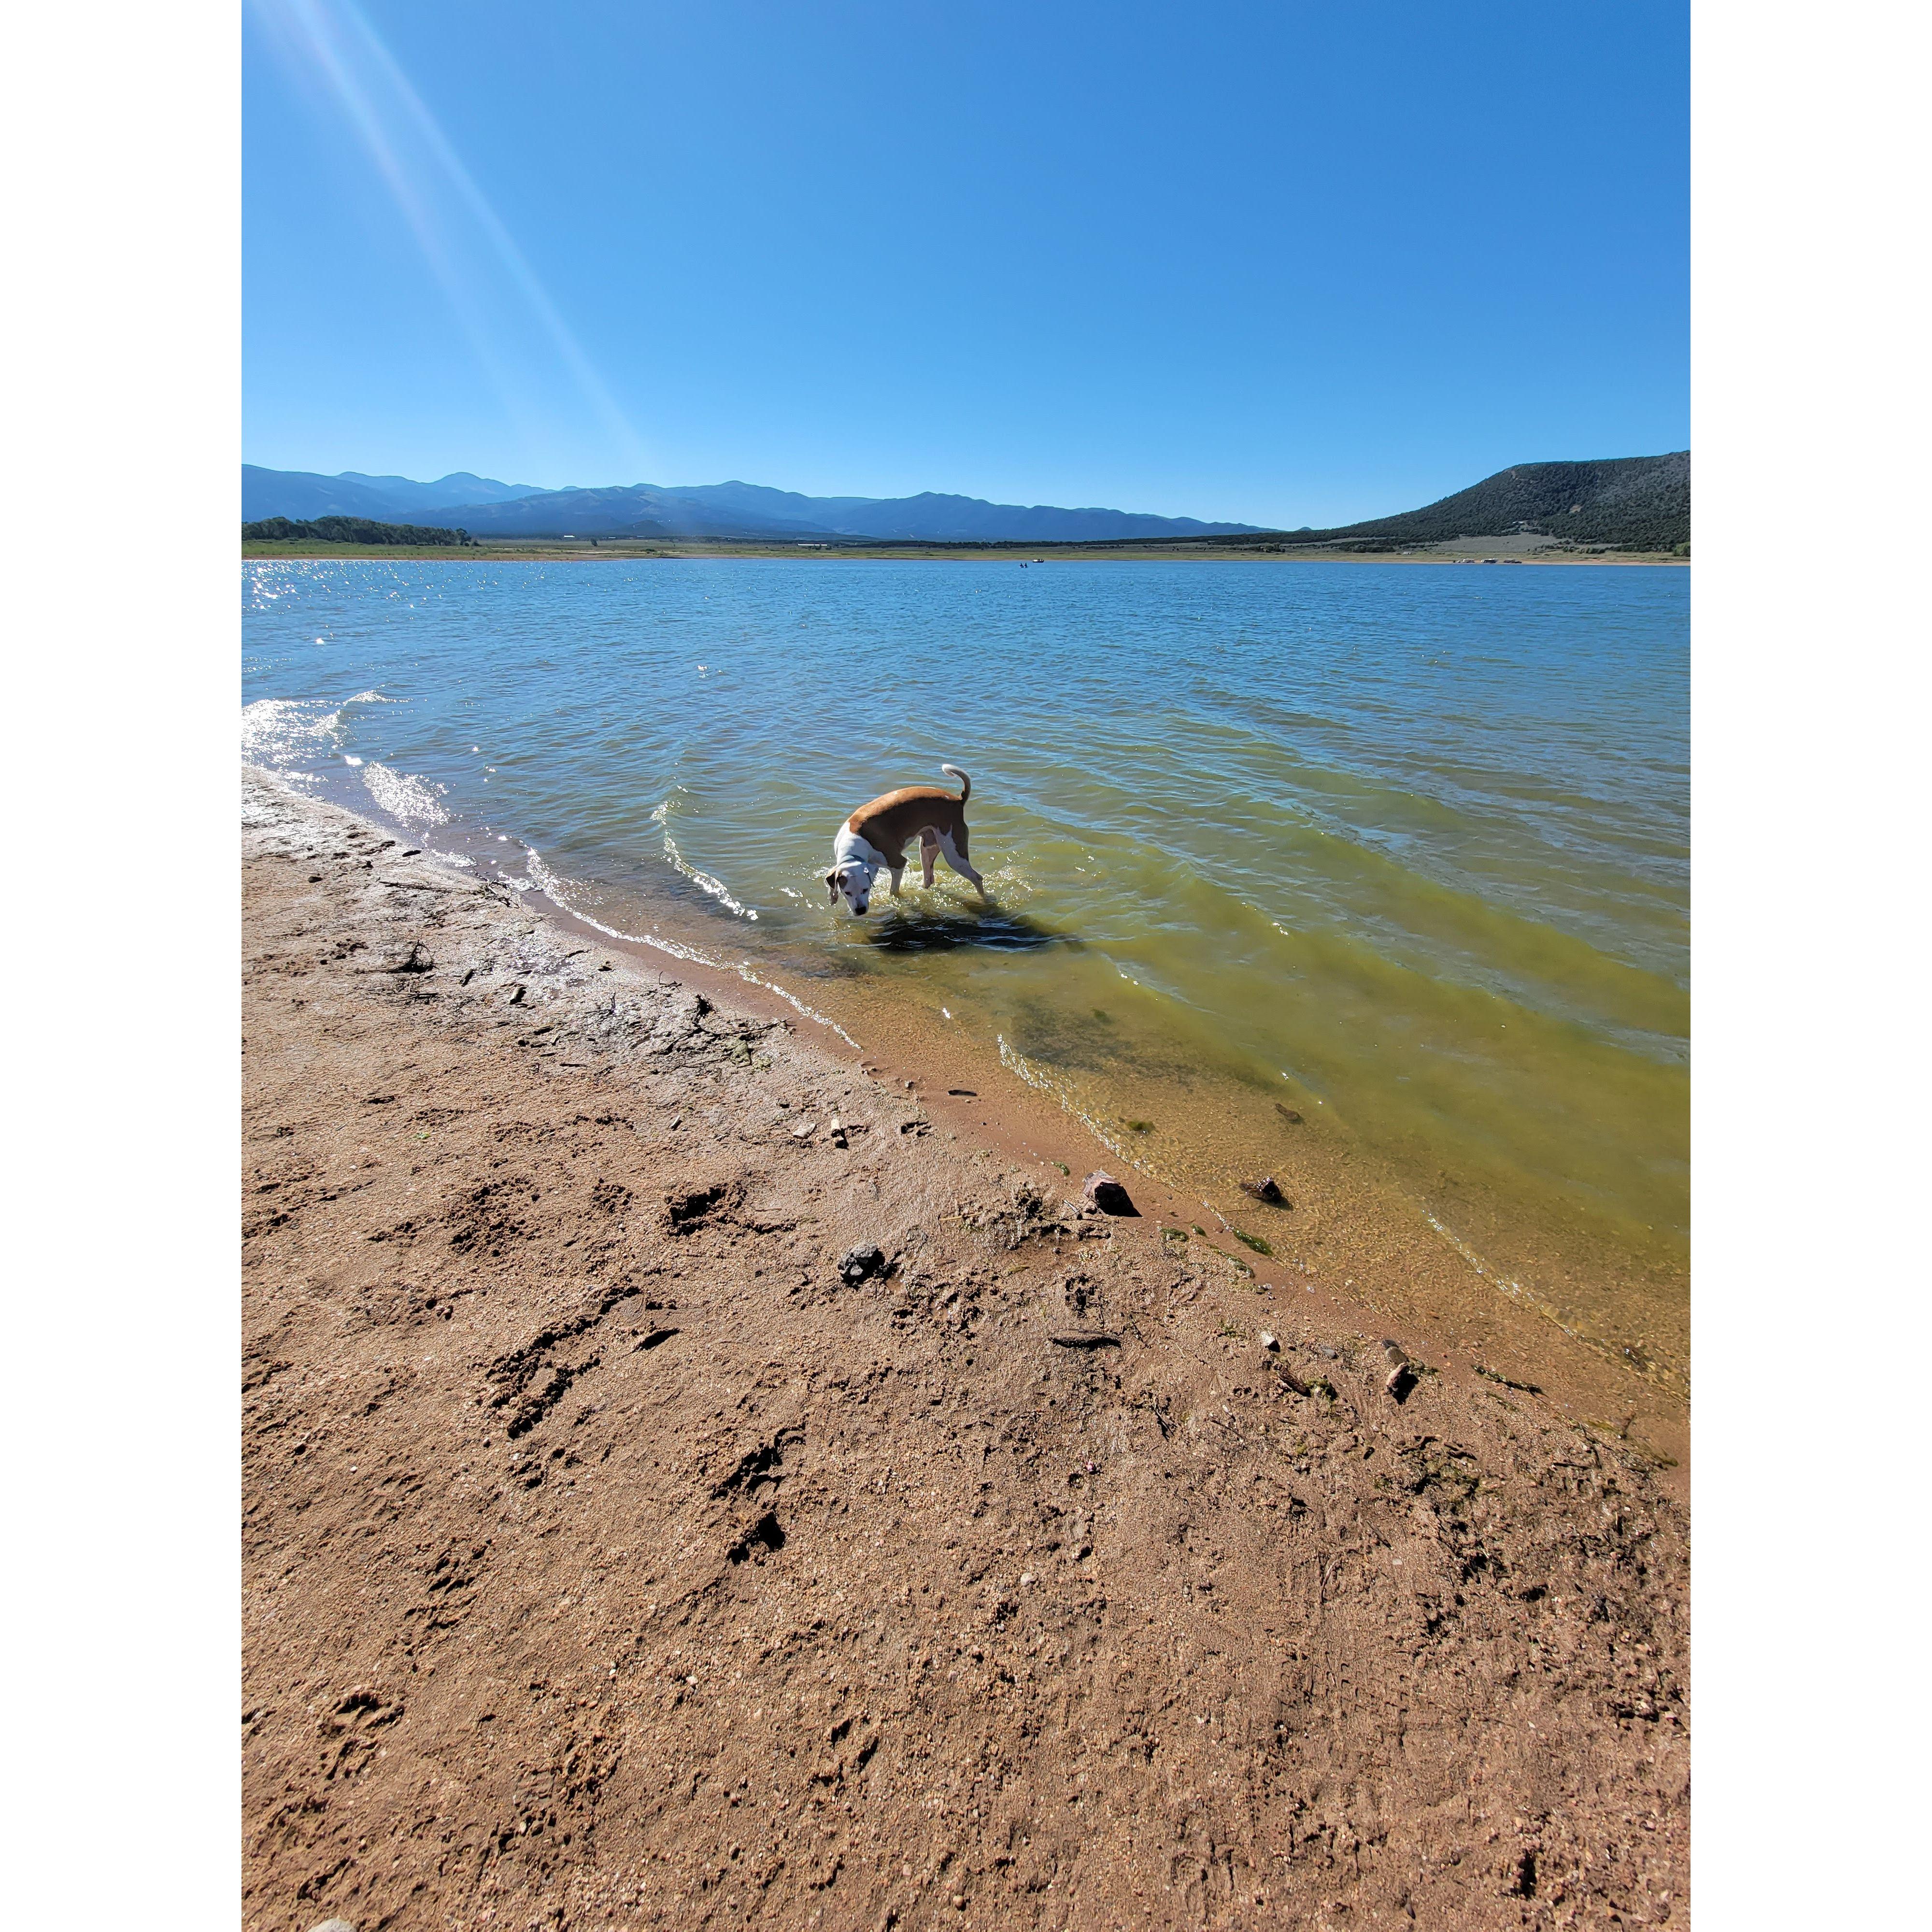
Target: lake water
x=1404 y=849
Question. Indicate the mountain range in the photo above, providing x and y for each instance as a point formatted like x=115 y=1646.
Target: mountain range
x=489 y=509
x=1631 y=502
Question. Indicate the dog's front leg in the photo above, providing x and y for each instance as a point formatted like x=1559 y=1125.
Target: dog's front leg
x=898 y=873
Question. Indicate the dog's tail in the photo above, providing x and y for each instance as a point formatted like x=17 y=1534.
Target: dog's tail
x=965 y=783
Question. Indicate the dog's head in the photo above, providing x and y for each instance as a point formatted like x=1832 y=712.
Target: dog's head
x=852 y=880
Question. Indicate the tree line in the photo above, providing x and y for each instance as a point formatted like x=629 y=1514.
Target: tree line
x=350 y=529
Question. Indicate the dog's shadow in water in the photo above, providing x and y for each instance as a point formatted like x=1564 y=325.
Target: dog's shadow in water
x=990 y=928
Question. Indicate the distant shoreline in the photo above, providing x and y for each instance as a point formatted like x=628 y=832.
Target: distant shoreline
x=1462 y=551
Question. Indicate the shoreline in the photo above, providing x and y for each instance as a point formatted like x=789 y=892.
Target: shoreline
x=1601 y=1325
x=1354 y=1220
x=1497 y=550
x=611 y=1554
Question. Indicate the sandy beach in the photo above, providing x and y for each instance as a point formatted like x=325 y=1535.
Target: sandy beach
x=693 y=1477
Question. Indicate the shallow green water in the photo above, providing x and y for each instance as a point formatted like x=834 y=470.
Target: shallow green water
x=1405 y=848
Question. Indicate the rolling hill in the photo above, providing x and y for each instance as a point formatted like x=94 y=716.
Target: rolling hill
x=1629 y=502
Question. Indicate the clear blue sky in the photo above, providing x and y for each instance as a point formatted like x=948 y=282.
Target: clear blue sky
x=1281 y=263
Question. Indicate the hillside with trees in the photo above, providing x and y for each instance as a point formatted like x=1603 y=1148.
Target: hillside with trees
x=351 y=530
x=1630 y=503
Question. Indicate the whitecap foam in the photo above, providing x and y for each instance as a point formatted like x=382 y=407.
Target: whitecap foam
x=279 y=730
x=404 y=796
x=546 y=881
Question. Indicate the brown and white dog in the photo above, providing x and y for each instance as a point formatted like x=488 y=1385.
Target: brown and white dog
x=874 y=840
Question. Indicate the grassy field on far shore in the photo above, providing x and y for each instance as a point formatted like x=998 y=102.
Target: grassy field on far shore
x=1465 y=550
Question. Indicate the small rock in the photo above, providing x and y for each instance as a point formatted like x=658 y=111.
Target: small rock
x=1288 y=1115
x=860 y=1264
x=1108 y=1194
x=1266 y=1189
x=805 y=1130
x=1270 y=1343
x=335 y=1925
x=1399 y=1373
x=1026 y=1579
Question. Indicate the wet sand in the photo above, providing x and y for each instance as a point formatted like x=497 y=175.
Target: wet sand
x=613 y=1559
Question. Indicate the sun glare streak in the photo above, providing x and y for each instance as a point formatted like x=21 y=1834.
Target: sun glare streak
x=349 y=54
x=512 y=257
x=312 y=34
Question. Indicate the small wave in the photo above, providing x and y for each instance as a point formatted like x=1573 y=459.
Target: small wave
x=274 y=730
x=791 y=999
x=703 y=881
x=1515 y=1290
x=1016 y=1062
x=277 y=729
x=403 y=795
x=546 y=881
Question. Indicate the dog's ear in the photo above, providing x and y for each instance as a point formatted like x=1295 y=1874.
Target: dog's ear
x=831 y=887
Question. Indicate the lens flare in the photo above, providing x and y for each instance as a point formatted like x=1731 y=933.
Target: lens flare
x=452 y=219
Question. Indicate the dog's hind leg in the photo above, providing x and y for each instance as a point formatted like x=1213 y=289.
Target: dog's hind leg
x=898 y=873
x=954 y=847
x=928 y=851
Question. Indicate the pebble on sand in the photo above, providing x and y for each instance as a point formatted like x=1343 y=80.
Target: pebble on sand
x=1108 y=1194
x=859 y=1264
